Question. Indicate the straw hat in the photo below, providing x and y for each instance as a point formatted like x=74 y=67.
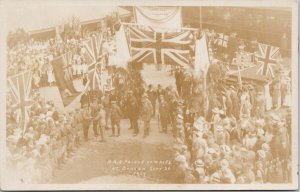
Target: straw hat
x=217 y=111
x=261 y=154
x=265 y=147
x=199 y=163
x=224 y=163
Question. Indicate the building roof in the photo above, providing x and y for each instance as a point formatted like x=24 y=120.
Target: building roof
x=46 y=17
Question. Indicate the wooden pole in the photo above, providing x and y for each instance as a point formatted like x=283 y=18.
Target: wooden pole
x=200 y=17
x=239 y=76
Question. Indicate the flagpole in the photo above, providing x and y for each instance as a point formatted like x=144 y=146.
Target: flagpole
x=204 y=95
x=200 y=17
x=239 y=77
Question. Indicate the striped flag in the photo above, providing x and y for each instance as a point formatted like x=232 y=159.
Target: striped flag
x=20 y=87
x=267 y=58
x=62 y=67
x=160 y=47
x=94 y=59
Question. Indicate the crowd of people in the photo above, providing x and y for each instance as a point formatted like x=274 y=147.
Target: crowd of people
x=50 y=137
x=240 y=134
x=223 y=134
x=37 y=55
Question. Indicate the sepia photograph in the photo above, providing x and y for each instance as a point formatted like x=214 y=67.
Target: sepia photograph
x=115 y=95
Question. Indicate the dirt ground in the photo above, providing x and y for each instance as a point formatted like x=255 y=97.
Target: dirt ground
x=124 y=159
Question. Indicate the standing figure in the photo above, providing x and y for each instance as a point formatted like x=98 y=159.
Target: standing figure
x=101 y=122
x=245 y=110
x=133 y=112
x=287 y=98
x=50 y=75
x=276 y=94
x=86 y=120
x=152 y=97
x=146 y=114
x=259 y=107
x=179 y=78
x=95 y=115
x=116 y=115
x=163 y=114
x=106 y=104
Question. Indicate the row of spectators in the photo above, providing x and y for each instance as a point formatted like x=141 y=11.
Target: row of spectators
x=51 y=136
x=232 y=134
x=37 y=56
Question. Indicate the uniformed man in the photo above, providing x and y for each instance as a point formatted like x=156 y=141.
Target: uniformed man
x=146 y=114
x=86 y=120
x=116 y=115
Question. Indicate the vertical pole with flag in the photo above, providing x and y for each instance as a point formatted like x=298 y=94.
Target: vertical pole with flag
x=239 y=76
x=201 y=66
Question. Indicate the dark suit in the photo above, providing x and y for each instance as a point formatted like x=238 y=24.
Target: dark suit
x=133 y=113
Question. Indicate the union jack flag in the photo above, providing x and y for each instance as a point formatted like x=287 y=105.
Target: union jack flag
x=67 y=65
x=160 y=47
x=267 y=58
x=20 y=88
x=93 y=50
x=222 y=40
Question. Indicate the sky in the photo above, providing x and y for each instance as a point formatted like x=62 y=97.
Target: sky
x=40 y=17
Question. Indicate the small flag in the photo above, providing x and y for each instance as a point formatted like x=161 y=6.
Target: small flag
x=222 y=40
x=267 y=58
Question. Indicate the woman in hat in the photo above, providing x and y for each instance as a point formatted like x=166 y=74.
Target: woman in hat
x=276 y=94
x=260 y=103
x=245 y=110
x=50 y=75
x=287 y=93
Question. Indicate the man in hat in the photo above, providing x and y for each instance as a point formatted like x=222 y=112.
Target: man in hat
x=133 y=111
x=116 y=115
x=259 y=106
x=95 y=115
x=216 y=119
x=152 y=95
x=86 y=120
x=160 y=92
x=163 y=114
x=179 y=79
x=146 y=113
x=106 y=101
x=85 y=98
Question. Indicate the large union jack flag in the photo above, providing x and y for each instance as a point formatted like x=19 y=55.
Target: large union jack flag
x=92 y=55
x=20 y=88
x=161 y=48
x=267 y=58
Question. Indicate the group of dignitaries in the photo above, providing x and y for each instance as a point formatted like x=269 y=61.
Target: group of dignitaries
x=138 y=102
